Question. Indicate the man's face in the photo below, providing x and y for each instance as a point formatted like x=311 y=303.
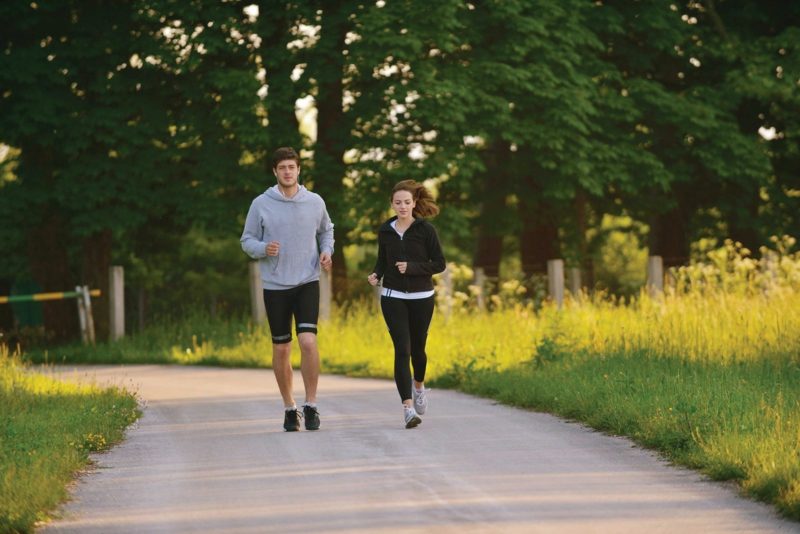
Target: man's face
x=286 y=172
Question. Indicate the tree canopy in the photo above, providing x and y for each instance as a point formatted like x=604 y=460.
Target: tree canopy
x=137 y=133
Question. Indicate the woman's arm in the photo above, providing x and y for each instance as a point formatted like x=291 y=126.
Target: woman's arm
x=380 y=263
x=436 y=262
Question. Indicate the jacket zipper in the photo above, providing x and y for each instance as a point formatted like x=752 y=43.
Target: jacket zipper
x=405 y=257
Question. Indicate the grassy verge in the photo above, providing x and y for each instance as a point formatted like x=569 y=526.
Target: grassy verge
x=48 y=428
x=196 y=340
x=709 y=378
x=733 y=422
x=712 y=382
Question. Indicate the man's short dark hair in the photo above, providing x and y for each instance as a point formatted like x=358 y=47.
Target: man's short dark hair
x=284 y=153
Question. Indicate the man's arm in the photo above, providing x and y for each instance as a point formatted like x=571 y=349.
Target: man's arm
x=253 y=234
x=325 y=233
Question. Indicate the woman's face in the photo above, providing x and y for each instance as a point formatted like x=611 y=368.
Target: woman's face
x=403 y=204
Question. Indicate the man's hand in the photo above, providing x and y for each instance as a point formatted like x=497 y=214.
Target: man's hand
x=373 y=279
x=402 y=266
x=325 y=261
x=273 y=247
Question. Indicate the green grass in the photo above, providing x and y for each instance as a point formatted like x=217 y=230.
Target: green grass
x=197 y=340
x=733 y=422
x=47 y=430
x=711 y=382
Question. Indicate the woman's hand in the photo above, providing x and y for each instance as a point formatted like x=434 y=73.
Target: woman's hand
x=372 y=279
x=402 y=266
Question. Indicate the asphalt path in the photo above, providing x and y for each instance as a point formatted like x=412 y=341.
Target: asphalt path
x=210 y=455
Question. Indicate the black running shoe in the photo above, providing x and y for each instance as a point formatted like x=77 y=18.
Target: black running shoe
x=311 y=416
x=291 y=421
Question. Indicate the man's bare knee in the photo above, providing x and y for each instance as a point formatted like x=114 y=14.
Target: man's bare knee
x=307 y=341
x=281 y=351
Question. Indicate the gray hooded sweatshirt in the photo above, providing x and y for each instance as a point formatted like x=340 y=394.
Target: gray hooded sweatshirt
x=302 y=227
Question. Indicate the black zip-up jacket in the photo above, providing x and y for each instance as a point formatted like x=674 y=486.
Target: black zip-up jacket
x=419 y=246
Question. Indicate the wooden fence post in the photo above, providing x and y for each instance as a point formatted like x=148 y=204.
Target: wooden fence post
x=82 y=316
x=325 y=294
x=574 y=278
x=655 y=275
x=447 y=283
x=555 y=280
x=87 y=303
x=770 y=264
x=257 y=310
x=116 y=296
x=480 y=282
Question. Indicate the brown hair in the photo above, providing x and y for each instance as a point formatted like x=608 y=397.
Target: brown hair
x=284 y=153
x=425 y=205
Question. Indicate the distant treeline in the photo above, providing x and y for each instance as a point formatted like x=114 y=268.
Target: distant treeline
x=136 y=133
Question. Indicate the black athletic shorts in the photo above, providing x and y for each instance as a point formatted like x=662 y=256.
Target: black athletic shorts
x=281 y=304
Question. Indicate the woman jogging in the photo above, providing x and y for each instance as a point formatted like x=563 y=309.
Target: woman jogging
x=409 y=253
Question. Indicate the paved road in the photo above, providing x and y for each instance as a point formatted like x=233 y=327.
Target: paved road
x=209 y=455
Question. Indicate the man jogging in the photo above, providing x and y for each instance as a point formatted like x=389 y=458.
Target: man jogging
x=289 y=232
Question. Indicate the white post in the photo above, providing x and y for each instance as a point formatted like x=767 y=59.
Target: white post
x=259 y=314
x=770 y=263
x=82 y=315
x=555 y=280
x=480 y=281
x=447 y=283
x=116 y=303
x=655 y=275
x=325 y=294
x=87 y=303
x=574 y=277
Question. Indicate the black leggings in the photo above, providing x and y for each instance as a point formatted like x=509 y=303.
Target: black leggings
x=408 y=321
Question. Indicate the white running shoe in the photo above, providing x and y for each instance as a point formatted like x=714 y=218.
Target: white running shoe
x=411 y=418
x=420 y=400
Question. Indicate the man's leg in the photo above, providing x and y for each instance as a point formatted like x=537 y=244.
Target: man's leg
x=306 y=313
x=309 y=364
x=282 y=367
x=278 y=304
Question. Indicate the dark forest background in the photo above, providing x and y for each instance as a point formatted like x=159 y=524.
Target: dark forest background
x=137 y=133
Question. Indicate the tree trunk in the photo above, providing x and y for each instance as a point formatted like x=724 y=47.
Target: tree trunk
x=96 y=263
x=333 y=133
x=275 y=28
x=47 y=245
x=538 y=237
x=538 y=240
x=141 y=307
x=490 y=227
x=669 y=238
x=742 y=217
x=488 y=253
x=49 y=264
x=580 y=206
x=6 y=315
x=743 y=222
